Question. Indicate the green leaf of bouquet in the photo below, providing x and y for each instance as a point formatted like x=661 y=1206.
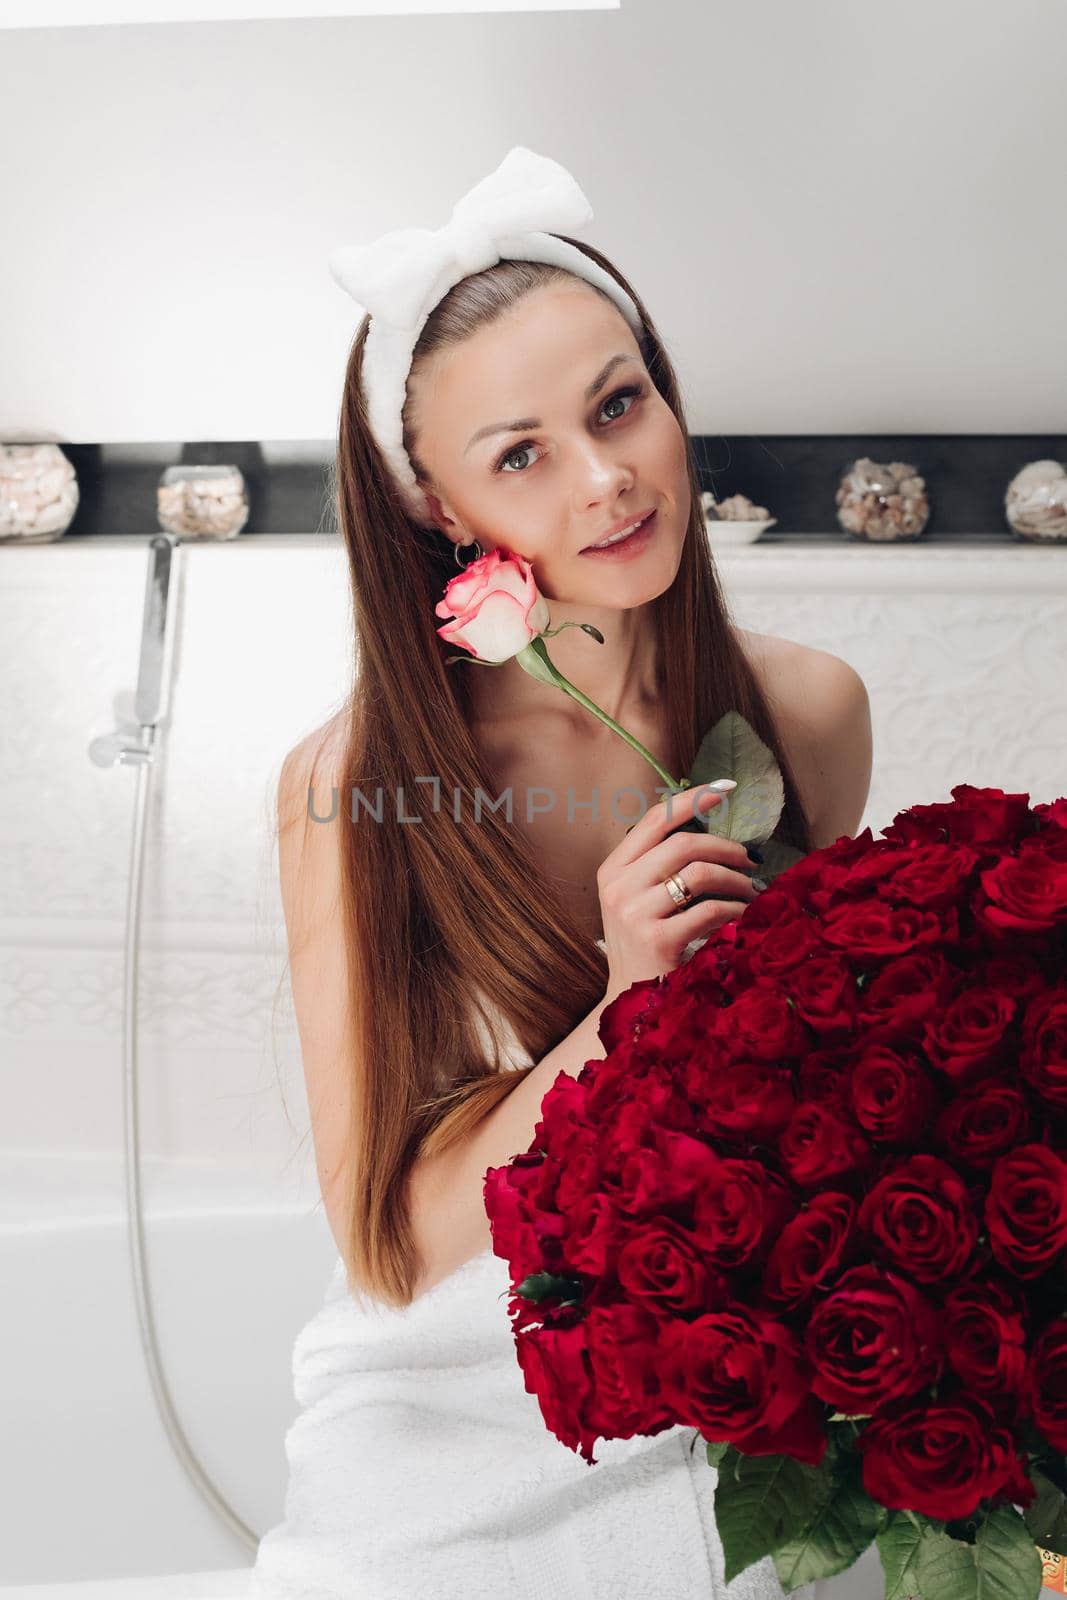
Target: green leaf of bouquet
x=763 y=1503
x=777 y=856
x=1002 y=1564
x=898 y=1548
x=1046 y=1517
x=733 y=749
x=540 y=1286
x=717 y=1449
x=841 y=1531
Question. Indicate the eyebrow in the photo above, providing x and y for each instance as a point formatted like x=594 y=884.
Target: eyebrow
x=518 y=424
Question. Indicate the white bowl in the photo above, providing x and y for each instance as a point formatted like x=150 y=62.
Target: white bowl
x=723 y=531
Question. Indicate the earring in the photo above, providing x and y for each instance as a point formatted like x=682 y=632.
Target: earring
x=471 y=544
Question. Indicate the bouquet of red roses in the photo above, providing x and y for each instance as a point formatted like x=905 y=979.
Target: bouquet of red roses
x=813 y=1204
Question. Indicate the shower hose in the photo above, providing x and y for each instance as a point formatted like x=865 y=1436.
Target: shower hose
x=134 y=1203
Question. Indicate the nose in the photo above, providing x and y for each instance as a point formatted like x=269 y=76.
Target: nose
x=600 y=474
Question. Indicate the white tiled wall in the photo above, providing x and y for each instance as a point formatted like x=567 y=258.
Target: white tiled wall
x=964 y=653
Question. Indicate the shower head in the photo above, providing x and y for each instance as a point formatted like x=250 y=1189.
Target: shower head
x=156 y=637
x=133 y=744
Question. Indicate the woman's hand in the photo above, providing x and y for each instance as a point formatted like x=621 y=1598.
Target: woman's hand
x=644 y=932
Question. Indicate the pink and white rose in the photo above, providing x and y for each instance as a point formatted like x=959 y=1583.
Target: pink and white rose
x=495 y=606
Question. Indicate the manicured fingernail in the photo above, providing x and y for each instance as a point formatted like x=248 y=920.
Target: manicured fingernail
x=724 y=785
x=753 y=854
x=757 y=883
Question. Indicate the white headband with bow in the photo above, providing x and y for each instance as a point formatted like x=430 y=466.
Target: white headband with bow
x=399 y=278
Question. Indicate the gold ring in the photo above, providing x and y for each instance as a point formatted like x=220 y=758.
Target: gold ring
x=679 y=891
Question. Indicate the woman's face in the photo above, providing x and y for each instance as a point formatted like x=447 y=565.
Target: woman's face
x=561 y=466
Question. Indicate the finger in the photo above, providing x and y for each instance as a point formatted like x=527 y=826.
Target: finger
x=678 y=849
x=702 y=879
x=705 y=918
x=683 y=849
x=658 y=820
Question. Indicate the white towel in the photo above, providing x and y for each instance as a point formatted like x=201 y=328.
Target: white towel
x=421 y=1469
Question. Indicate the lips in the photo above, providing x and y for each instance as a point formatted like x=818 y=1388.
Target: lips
x=629 y=548
x=630 y=523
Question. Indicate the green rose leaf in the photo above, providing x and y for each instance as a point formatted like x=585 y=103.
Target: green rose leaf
x=841 y=1531
x=733 y=749
x=541 y=1286
x=763 y=1502
x=1001 y=1564
x=1046 y=1517
x=898 y=1547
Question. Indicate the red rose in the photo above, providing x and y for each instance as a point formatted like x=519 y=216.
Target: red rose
x=973 y=1035
x=818 y=878
x=1053 y=813
x=514 y=1221
x=669 y=1173
x=825 y=1075
x=760 y=1024
x=577 y=1177
x=743 y=1099
x=627 y=1012
x=655 y=1100
x=920 y=1217
x=1018 y=975
x=982 y=1122
x=985 y=1337
x=985 y=819
x=555 y=1368
x=892 y=1098
x=941 y=1459
x=626 y=1397
x=932 y=875
x=1048 y=1383
x=591 y=1227
x=739 y=1375
x=873 y=1338
x=810 y=1247
x=1026 y=1210
x=1043 y=1061
x=739 y=1211
x=664 y=1267
x=825 y=993
x=821 y=1144
x=787 y=940
x=901 y=998
x=1027 y=893
x=873 y=930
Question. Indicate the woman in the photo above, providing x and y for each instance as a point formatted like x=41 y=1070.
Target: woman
x=445 y=970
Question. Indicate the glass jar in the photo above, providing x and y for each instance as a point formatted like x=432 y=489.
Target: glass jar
x=882 y=501
x=202 y=502
x=38 y=493
x=1035 y=502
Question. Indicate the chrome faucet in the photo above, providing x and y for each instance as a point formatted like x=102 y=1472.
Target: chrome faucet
x=133 y=743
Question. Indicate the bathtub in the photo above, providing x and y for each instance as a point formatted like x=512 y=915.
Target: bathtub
x=93 y=1501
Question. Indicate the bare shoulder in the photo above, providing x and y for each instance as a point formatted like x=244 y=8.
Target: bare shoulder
x=799 y=675
x=315 y=761
x=822 y=709
x=310 y=875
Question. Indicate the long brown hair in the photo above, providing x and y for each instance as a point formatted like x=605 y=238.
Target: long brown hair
x=439 y=919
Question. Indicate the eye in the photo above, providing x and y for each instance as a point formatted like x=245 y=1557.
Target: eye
x=634 y=391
